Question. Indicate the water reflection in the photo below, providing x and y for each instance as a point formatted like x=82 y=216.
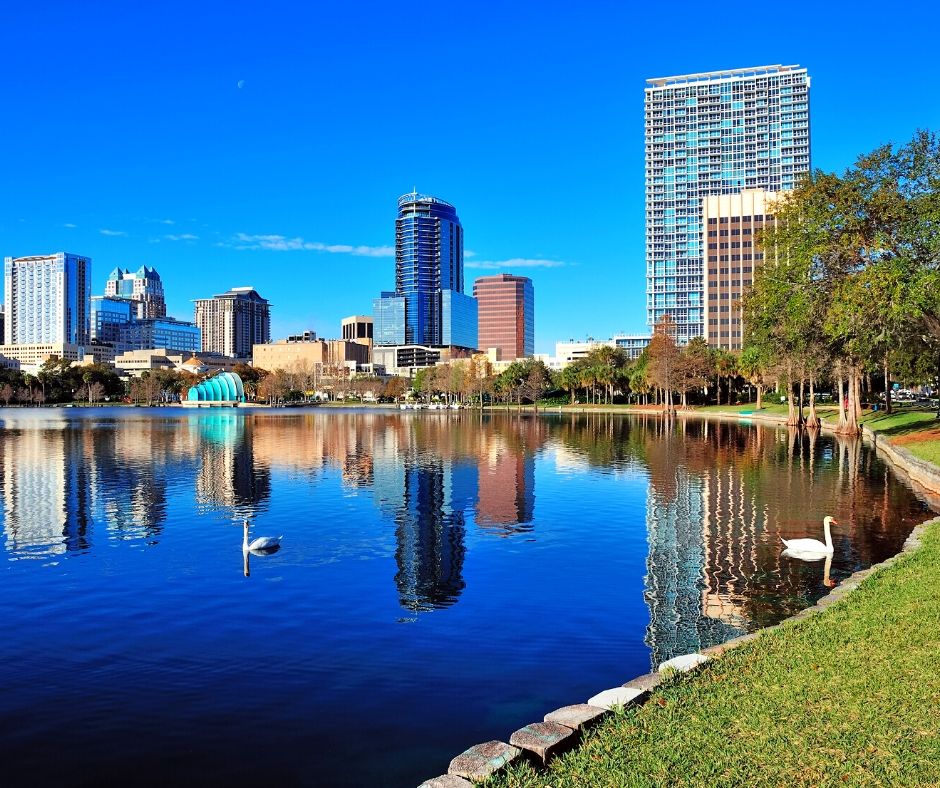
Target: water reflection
x=719 y=496
x=720 y=500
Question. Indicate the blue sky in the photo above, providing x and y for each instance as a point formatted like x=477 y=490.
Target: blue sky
x=125 y=135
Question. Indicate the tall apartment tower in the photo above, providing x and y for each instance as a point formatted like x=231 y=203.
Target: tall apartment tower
x=711 y=134
x=429 y=273
x=231 y=323
x=506 y=309
x=144 y=287
x=47 y=299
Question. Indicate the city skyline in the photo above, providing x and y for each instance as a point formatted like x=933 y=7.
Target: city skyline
x=211 y=183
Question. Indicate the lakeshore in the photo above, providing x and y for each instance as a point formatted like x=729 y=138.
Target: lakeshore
x=845 y=696
x=407 y=537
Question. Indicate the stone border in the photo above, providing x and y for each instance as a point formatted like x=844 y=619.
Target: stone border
x=562 y=729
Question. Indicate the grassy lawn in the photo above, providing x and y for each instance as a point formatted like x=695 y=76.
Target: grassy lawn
x=916 y=430
x=849 y=697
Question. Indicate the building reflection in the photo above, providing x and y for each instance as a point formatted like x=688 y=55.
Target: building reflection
x=721 y=499
x=506 y=501
x=429 y=531
x=45 y=490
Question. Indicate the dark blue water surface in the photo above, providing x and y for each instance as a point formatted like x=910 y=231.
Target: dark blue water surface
x=445 y=578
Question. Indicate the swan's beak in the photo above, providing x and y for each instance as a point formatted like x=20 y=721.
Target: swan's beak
x=833 y=520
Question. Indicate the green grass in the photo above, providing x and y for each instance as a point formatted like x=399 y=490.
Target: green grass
x=849 y=697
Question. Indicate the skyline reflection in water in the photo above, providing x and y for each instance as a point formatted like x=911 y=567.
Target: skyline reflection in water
x=426 y=557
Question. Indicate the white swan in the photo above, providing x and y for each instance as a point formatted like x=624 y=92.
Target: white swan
x=261 y=544
x=812 y=547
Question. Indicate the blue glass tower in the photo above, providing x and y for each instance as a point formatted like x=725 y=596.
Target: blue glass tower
x=428 y=260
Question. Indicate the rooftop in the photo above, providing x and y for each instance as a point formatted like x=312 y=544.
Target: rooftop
x=708 y=76
x=414 y=196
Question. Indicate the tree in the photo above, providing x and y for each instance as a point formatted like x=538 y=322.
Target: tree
x=663 y=354
x=751 y=365
x=395 y=388
x=95 y=392
x=535 y=382
x=6 y=393
x=692 y=367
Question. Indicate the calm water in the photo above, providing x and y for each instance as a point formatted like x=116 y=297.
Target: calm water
x=445 y=579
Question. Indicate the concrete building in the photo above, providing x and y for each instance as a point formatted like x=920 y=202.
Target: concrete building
x=405 y=360
x=732 y=223
x=632 y=344
x=568 y=352
x=358 y=328
x=2 y=322
x=37 y=354
x=318 y=354
x=506 y=315
x=143 y=288
x=234 y=322
x=47 y=299
x=135 y=362
x=711 y=134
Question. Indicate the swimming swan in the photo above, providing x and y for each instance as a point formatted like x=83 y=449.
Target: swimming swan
x=261 y=544
x=810 y=546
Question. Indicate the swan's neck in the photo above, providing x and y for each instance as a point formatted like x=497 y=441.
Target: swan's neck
x=825 y=527
x=245 y=542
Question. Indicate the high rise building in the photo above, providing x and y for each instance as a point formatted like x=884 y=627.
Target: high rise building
x=357 y=327
x=506 y=307
x=144 y=287
x=161 y=332
x=428 y=259
x=47 y=299
x=114 y=322
x=732 y=223
x=388 y=313
x=233 y=322
x=710 y=134
x=109 y=318
x=428 y=300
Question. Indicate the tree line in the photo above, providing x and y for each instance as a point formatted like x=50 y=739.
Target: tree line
x=850 y=286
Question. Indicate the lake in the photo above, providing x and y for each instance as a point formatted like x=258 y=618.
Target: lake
x=445 y=578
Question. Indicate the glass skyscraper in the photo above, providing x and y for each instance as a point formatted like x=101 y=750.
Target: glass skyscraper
x=711 y=134
x=388 y=316
x=428 y=306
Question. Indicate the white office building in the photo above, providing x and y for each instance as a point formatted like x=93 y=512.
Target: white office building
x=710 y=134
x=47 y=299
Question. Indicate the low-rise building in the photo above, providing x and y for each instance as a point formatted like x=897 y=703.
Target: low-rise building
x=405 y=360
x=312 y=354
x=33 y=355
x=136 y=362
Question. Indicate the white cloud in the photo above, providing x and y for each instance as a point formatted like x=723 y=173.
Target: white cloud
x=167 y=221
x=182 y=237
x=112 y=232
x=515 y=262
x=70 y=225
x=469 y=253
x=280 y=243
